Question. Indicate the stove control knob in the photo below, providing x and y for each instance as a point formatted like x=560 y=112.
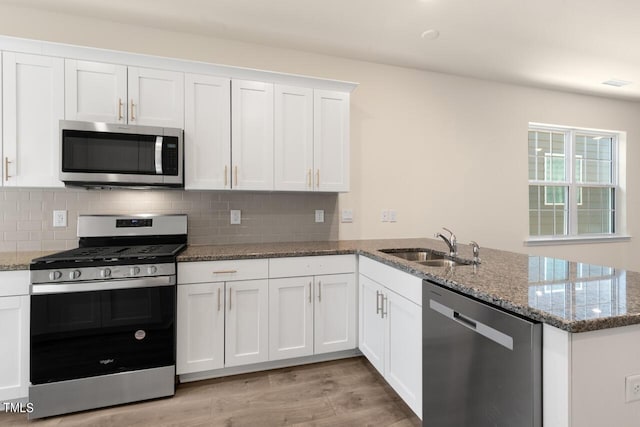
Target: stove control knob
x=134 y=270
x=152 y=269
x=55 y=275
x=74 y=274
x=106 y=272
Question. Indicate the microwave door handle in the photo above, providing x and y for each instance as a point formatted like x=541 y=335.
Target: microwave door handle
x=158 y=155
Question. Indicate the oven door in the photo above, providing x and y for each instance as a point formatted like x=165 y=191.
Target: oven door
x=84 y=334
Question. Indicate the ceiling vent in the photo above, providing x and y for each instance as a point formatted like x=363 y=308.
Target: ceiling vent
x=616 y=82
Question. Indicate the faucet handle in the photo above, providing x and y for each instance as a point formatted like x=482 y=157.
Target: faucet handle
x=476 y=252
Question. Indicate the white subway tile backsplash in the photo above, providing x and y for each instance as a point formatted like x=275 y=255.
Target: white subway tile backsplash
x=26 y=220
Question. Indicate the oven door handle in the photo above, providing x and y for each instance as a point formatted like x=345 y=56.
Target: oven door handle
x=106 y=285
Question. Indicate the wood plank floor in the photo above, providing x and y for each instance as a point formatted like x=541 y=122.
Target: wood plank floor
x=347 y=392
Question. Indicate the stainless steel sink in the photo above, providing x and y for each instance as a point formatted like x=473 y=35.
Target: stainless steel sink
x=443 y=262
x=418 y=255
x=426 y=257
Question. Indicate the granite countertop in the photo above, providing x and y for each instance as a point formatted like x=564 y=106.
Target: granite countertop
x=19 y=260
x=572 y=296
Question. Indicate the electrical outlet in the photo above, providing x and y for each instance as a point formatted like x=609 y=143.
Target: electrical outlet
x=384 y=216
x=59 y=218
x=632 y=383
x=346 y=215
x=319 y=215
x=393 y=215
x=236 y=216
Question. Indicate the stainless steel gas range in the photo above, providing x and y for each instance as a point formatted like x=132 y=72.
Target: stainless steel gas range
x=103 y=315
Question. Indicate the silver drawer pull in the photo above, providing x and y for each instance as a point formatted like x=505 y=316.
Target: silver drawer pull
x=225 y=271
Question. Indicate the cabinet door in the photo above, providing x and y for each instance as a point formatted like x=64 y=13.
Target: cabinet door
x=156 y=97
x=95 y=92
x=14 y=351
x=247 y=322
x=371 y=324
x=252 y=135
x=290 y=317
x=33 y=104
x=200 y=327
x=207 y=133
x=403 y=352
x=331 y=140
x=293 y=131
x=335 y=313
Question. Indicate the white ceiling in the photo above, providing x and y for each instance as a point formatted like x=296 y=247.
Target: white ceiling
x=567 y=44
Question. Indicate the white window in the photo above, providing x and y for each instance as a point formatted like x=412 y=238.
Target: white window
x=573 y=182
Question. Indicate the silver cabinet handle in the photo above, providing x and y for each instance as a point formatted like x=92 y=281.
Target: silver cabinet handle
x=225 y=272
x=225 y=175
x=319 y=291
x=310 y=291
x=384 y=301
x=318 y=178
x=6 y=169
x=230 y=293
x=219 y=291
x=378 y=294
x=235 y=176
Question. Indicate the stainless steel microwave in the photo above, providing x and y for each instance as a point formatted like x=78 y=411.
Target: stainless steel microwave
x=111 y=155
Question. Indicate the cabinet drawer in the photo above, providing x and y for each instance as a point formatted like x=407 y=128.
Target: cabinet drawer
x=222 y=271
x=312 y=265
x=14 y=283
x=405 y=284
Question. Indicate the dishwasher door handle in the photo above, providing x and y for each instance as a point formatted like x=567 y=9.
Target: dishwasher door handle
x=464 y=320
x=470 y=323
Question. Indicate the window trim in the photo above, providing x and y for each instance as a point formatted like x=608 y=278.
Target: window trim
x=571 y=228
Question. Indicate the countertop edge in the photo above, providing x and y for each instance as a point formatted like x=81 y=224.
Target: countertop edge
x=528 y=312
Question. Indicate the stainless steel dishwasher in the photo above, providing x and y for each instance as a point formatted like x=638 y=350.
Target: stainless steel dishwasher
x=481 y=366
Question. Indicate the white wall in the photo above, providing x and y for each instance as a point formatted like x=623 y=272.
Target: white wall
x=441 y=150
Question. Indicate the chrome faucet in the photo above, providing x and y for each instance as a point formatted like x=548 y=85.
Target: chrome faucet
x=476 y=252
x=450 y=241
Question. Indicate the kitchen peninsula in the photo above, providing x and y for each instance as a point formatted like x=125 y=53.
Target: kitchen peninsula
x=584 y=308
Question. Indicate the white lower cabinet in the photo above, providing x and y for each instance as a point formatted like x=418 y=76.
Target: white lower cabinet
x=391 y=328
x=371 y=323
x=311 y=315
x=247 y=319
x=222 y=314
x=14 y=351
x=200 y=327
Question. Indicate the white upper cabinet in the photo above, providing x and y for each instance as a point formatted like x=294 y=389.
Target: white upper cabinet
x=293 y=131
x=252 y=135
x=32 y=105
x=207 y=132
x=331 y=140
x=101 y=92
x=95 y=92
x=156 y=97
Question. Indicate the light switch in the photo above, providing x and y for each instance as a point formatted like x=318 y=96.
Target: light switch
x=393 y=215
x=384 y=216
x=319 y=215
